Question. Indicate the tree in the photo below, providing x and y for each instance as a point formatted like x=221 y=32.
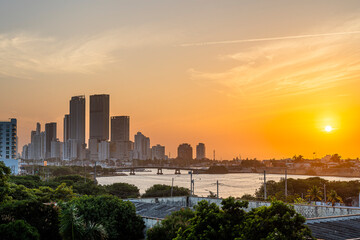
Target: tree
x=4 y=185
x=335 y=158
x=118 y=217
x=314 y=193
x=44 y=217
x=167 y=228
x=18 y=230
x=73 y=227
x=162 y=190
x=123 y=190
x=279 y=221
x=333 y=197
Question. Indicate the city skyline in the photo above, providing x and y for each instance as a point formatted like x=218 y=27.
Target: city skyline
x=254 y=79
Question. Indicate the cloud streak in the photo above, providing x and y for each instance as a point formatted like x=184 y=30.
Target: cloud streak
x=269 y=39
x=273 y=70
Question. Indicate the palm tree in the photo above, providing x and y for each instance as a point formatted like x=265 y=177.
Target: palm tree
x=314 y=193
x=333 y=197
x=74 y=227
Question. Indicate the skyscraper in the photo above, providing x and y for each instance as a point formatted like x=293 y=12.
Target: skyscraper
x=120 y=127
x=66 y=127
x=77 y=118
x=142 y=149
x=99 y=117
x=99 y=122
x=8 y=144
x=200 y=151
x=50 y=135
x=185 y=151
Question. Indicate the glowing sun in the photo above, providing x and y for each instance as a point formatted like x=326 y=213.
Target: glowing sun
x=328 y=128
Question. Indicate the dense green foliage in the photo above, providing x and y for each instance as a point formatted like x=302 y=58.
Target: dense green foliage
x=18 y=230
x=162 y=190
x=118 y=217
x=41 y=216
x=279 y=221
x=300 y=188
x=4 y=185
x=168 y=227
x=123 y=190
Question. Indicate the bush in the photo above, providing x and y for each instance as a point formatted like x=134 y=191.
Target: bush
x=118 y=217
x=123 y=190
x=43 y=217
x=167 y=229
x=18 y=230
x=161 y=190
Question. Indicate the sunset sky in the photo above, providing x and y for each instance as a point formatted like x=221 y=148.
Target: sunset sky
x=252 y=78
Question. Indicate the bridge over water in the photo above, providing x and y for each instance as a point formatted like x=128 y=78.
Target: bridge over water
x=160 y=168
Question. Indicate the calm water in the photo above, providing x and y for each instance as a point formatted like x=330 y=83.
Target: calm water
x=235 y=185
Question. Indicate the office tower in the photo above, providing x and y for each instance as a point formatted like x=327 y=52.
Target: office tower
x=8 y=144
x=142 y=149
x=99 y=123
x=50 y=135
x=158 y=152
x=185 y=151
x=200 y=151
x=120 y=127
x=99 y=117
x=66 y=127
x=35 y=147
x=77 y=118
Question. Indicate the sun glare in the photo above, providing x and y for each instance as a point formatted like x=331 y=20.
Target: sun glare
x=328 y=128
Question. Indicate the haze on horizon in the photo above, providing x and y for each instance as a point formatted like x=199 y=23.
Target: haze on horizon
x=258 y=79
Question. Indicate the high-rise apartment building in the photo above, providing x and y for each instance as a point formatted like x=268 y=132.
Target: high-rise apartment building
x=142 y=149
x=9 y=144
x=120 y=128
x=66 y=127
x=200 y=151
x=185 y=151
x=50 y=135
x=99 y=117
x=158 y=152
x=77 y=118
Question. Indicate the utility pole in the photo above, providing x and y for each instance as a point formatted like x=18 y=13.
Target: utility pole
x=172 y=186
x=265 y=197
x=217 y=188
x=286 y=185
x=191 y=183
x=325 y=193
x=95 y=173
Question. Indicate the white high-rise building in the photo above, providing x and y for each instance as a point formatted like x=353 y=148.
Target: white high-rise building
x=142 y=149
x=104 y=150
x=158 y=152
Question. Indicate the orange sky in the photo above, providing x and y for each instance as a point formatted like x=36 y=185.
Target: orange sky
x=226 y=74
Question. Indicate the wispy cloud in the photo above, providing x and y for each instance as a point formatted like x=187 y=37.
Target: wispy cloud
x=269 y=39
x=22 y=54
x=290 y=66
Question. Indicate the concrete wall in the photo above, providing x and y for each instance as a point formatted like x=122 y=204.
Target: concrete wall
x=308 y=211
x=150 y=222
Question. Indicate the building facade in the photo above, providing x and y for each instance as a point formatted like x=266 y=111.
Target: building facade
x=120 y=128
x=158 y=152
x=77 y=118
x=9 y=144
x=50 y=135
x=142 y=149
x=185 y=152
x=200 y=151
